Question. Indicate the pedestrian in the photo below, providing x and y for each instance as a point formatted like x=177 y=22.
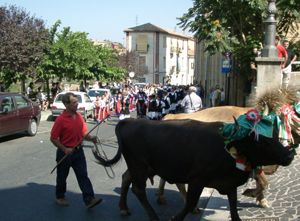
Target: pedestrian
x=39 y=98
x=210 y=96
x=67 y=134
x=291 y=57
x=216 y=97
x=97 y=108
x=118 y=103
x=141 y=103
x=82 y=87
x=153 y=107
x=165 y=103
x=222 y=97
x=53 y=90
x=59 y=89
x=191 y=102
x=29 y=90
x=281 y=52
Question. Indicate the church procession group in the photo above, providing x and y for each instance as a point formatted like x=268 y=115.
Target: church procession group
x=150 y=101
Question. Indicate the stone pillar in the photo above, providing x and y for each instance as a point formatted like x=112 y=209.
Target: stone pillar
x=269 y=74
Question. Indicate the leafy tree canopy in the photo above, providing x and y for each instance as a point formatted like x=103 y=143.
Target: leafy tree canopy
x=24 y=39
x=223 y=25
x=237 y=25
x=73 y=56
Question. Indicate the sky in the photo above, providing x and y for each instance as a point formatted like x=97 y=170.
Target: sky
x=105 y=19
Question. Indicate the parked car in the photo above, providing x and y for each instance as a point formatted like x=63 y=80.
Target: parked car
x=18 y=114
x=140 y=85
x=85 y=104
x=93 y=93
x=99 y=92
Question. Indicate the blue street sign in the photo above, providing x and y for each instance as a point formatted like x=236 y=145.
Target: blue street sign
x=226 y=65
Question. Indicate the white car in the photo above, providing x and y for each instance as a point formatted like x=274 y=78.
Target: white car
x=93 y=93
x=85 y=104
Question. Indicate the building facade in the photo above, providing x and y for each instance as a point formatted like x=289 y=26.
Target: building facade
x=209 y=72
x=163 y=56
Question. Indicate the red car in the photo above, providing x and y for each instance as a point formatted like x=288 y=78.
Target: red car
x=18 y=114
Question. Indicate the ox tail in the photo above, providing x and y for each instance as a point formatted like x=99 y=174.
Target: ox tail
x=101 y=157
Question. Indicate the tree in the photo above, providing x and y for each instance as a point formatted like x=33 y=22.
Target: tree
x=236 y=25
x=24 y=39
x=108 y=67
x=73 y=56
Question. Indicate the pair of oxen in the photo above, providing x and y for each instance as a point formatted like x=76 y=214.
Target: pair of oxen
x=203 y=152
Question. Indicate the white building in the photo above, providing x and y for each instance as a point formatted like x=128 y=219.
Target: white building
x=164 y=56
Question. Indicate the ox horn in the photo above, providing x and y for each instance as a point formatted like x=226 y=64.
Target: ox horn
x=266 y=110
x=236 y=125
x=235 y=121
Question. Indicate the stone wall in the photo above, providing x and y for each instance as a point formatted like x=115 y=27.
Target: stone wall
x=294 y=80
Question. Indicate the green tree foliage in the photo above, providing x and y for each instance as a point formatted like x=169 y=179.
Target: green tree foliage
x=236 y=25
x=23 y=40
x=73 y=56
x=108 y=67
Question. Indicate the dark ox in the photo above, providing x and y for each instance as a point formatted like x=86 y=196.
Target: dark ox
x=186 y=151
x=225 y=114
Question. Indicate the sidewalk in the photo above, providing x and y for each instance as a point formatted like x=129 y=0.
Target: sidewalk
x=46 y=115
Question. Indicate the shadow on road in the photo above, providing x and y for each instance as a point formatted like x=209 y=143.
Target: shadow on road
x=35 y=202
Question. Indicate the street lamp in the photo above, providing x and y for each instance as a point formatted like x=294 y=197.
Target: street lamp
x=270 y=49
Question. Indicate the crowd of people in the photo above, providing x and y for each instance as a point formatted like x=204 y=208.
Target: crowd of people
x=154 y=101
x=149 y=101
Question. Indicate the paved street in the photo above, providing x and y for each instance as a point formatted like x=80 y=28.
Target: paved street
x=27 y=188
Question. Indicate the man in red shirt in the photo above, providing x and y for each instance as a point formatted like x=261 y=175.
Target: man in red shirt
x=282 y=53
x=67 y=133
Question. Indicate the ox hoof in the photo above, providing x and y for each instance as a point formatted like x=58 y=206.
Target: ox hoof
x=125 y=212
x=250 y=193
x=263 y=203
x=161 y=200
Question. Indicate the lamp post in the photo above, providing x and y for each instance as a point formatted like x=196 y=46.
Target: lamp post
x=269 y=73
x=270 y=49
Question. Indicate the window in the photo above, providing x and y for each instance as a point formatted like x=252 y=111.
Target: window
x=87 y=99
x=142 y=43
x=142 y=65
x=192 y=65
x=21 y=102
x=7 y=104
